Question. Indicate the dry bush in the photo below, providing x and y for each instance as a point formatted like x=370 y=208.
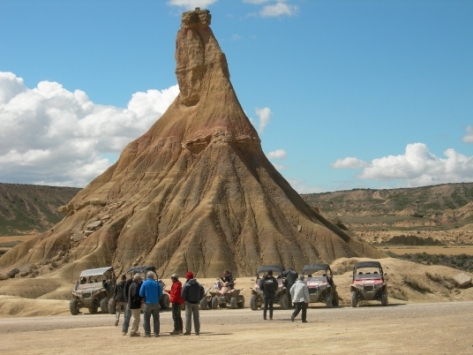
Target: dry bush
x=444 y=281
x=398 y=293
x=344 y=266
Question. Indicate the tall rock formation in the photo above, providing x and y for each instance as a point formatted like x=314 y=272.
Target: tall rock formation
x=195 y=192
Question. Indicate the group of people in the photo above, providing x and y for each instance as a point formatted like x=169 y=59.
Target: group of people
x=134 y=293
x=298 y=293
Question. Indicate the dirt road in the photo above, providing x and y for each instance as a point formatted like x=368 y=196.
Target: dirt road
x=435 y=328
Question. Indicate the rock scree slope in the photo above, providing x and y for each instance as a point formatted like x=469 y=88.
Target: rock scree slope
x=195 y=192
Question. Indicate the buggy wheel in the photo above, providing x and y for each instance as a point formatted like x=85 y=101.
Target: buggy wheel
x=253 y=304
x=164 y=302
x=112 y=306
x=73 y=307
x=204 y=304
x=241 y=301
x=335 y=300
x=214 y=302
x=384 y=297
x=93 y=309
x=354 y=298
x=283 y=301
x=104 y=305
x=233 y=303
x=328 y=300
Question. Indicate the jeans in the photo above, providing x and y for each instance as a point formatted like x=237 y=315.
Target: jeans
x=299 y=306
x=126 y=321
x=176 y=316
x=148 y=310
x=268 y=302
x=192 y=309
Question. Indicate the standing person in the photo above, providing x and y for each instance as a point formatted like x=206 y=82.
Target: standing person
x=176 y=300
x=127 y=315
x=192 y=293
x=300 y=295
x=134 y=303
x=269 y=286
x=120 y=300
x=151 y=291
x=290 y=277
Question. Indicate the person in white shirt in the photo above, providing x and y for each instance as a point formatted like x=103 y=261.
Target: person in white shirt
x=300 y=297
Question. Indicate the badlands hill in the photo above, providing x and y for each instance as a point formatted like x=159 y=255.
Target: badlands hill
x=28 y=208
x=195 y=192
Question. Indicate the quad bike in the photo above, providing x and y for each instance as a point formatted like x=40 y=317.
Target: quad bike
x=368 y=283
x=256 y=299
x=93 y=290
x=224 y=297
x=319 y=281
x=164 y=301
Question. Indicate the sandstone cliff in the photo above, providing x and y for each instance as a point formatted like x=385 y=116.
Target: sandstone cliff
x=195 y=192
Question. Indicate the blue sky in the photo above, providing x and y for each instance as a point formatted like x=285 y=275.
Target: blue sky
x=344 y=94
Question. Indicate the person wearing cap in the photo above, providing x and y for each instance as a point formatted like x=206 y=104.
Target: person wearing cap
x=176 y=300
x=134 y=303
x=151 y=291
x=300 y=296
x=192 y=293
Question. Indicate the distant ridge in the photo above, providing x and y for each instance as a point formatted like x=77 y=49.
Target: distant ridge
x=28 y=208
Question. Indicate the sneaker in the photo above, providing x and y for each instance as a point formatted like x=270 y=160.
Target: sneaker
x=116 y=323
x=175 y=332
x=270 y=318
x=197 y=333
x=187 y=333
x=292 y=319
x=147 y=335
x=123 y=333
x=304 y=321
x=134 y=334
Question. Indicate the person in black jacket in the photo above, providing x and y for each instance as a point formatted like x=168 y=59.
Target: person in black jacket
x=134 y=302
x=126 y=321
x=228 y=279
x=269 y=286
x=119 y=297
x=290 y=278
x=192 y=293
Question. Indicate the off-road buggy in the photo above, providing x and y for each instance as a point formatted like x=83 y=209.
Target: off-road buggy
x=93 y=290
x=223 y=296
x=256 y=299
x=368 y=283
x=319 y=281
x=143 y=270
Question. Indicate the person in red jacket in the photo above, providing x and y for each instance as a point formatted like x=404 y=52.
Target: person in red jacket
x=176 y=300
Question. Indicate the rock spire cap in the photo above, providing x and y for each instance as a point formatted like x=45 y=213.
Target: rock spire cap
x=196 y=18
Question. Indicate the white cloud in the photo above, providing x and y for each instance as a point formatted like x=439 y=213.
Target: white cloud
x=264 y=115
x=301 y=187
x=468 y=138
x=277 y=154
x=278 y=9
x=418 y=167
x=256 y=2
x=191 y=4
x=54 y=136
x=348 y=163
x=236 y=37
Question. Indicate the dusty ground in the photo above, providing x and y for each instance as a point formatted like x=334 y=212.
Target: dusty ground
x=435 y=328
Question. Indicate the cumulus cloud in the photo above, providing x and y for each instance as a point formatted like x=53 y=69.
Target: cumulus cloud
x=277 y=154
x=54 y=136
x=274 y=8
x=468 y=138
x=417 y=166
x=348 y=163
x=264 y=115
x=191 y=4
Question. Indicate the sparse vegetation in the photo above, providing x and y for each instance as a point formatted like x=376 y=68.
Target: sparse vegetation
x=416 y=285
x=462 y=262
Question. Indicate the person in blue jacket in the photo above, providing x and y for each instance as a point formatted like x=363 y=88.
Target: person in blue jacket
x=151 y=291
